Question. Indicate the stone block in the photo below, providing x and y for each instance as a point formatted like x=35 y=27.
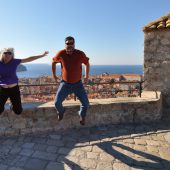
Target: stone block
x=19 y=123
x=35 y=164
x=165 y=41
x=11 y=132
x=25 y=131
x=45 y=156
x=88 y=163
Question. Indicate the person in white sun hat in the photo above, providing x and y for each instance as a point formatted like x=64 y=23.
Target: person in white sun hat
x=8 y=79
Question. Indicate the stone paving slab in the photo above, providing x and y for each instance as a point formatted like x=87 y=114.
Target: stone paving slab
x=109 y=147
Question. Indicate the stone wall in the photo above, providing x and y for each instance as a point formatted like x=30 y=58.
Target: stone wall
x=102 y=111
x=157 y=64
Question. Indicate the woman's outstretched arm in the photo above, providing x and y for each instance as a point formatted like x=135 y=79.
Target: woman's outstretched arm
x=32 y=58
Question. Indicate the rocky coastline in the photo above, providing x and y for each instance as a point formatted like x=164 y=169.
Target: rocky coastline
x=21 y=67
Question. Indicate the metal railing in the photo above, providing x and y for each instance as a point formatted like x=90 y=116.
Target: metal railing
x=88 y=87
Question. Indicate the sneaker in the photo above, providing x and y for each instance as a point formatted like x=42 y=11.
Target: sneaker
x=82 y=120
x=60 y=117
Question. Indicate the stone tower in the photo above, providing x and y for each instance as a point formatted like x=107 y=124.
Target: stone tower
x=157 y=58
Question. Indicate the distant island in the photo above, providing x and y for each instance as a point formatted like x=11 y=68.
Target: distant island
x=21 y=68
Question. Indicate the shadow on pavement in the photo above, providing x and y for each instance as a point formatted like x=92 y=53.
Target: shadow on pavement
x=108 y=138
x=142 y=160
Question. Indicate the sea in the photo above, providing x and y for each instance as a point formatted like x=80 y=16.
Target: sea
x=38 y=70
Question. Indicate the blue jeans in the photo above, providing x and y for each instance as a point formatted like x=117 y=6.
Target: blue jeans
x=67 y=88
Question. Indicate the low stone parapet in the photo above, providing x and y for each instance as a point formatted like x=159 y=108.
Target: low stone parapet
x=39 y=117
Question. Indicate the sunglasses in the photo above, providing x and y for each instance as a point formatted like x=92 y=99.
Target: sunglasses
x=9 y=53
x=71 y=43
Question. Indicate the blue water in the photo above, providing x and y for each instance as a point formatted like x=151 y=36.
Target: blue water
x=37 y=70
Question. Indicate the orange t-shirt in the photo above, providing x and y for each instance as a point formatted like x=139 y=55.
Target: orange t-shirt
x=71 y=65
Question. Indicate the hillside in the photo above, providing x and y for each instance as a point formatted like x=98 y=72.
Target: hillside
x=21 y=68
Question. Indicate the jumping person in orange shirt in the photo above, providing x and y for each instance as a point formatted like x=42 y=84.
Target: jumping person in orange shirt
x=71 y=61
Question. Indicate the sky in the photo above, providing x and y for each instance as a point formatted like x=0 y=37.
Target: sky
x=108 y=31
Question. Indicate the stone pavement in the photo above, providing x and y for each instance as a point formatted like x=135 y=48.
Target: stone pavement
x=111 y=147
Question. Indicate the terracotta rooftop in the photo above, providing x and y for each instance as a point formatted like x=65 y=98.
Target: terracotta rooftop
x=116 y=75
x=159 y=24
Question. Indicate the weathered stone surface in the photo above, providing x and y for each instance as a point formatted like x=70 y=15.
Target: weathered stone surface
x=165 y=155
x=103 y=111
x=140 y=142
x=28 y=145
x=131 y=141
x=87 y=148
x=52 y=149
x=165 y=41
x=19 y=123
x=35 y=164
x=26 y=152
x=3 y=167
x=57 y=166
x=97 y=149
x=55 y=137
x=44 y=155
x=63 y=150
x=88 y=163
x=153 y=143
x=167 y=137
x=124 y=150
x=156 y=71
x=106 y=157
x=15 y=150
x=92 y=155
x=139 y=147
x=40 y=147
x=151 y=148
x=15 y=168
x=104 y=166
x=120 y=166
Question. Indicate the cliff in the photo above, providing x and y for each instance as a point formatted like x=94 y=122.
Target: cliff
x=21 y=68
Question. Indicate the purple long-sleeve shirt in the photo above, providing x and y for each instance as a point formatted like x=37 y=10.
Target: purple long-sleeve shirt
x=8 y=72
